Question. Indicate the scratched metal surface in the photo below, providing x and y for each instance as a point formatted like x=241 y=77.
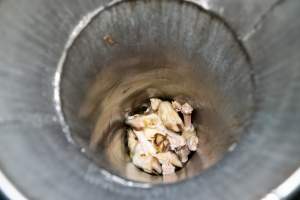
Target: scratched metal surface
x=38 y=160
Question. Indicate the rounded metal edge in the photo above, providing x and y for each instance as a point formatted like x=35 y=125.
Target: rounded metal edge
x=83 y=23
x=285 y=189
x=9 y=190
x=289 y=186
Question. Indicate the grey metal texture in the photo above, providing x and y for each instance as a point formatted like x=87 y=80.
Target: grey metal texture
x=154 y=62
x=39 y=161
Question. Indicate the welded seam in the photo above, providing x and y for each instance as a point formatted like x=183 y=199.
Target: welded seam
x=243 y=49
x=83 y=23
x=59 y=71
x=258 y=24
x=79 y=28
x=291 y=184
